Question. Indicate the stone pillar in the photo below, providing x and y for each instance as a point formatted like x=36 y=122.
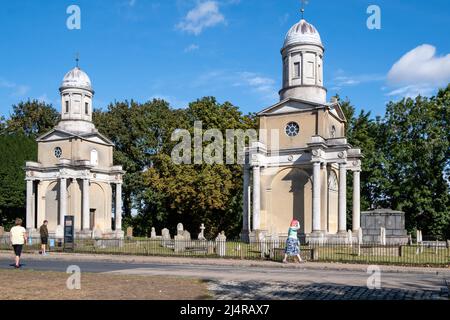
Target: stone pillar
x=62 y=200
x=86 y=206
x=118 y=217
x=256 y=197
x=245 y=213
x=316 y=197
x=356 y=201
x=30 y=213
x=342 y=220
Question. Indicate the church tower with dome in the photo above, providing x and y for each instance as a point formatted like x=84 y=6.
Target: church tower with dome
x=74 y=174
x=298 y=168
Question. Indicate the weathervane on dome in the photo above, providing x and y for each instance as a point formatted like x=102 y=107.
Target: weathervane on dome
x=77 y=59
x=304 y=3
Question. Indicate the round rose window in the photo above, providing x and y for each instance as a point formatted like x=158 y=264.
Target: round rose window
x=292 y=129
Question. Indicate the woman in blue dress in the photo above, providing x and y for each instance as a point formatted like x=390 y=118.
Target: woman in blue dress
x=292 y=243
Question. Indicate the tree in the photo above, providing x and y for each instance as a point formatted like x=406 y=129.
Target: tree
x=12 y=176
x=418 y=153
x=200 y=193
x=32 y=118
x=139 y=132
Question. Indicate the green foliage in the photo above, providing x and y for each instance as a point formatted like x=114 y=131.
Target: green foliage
x=16 y=150
x=32 y=118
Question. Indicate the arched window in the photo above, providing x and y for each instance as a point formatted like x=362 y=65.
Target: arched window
x=94 y=157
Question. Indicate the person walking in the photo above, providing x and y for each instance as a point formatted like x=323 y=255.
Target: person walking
x=43 y=231
x=292 y=242
x=18 y=239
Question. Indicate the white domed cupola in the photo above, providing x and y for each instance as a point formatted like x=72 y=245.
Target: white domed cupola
x=302 y=33
x=303 y=64
x=76 y=99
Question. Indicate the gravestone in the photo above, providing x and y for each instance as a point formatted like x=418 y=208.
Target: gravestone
x=392 y=221
x=180 y=229
x=165 y=237
x=221 y=244
x=360 y=236
x=382 y=236
x=2 y=231
x=153 y=233
x=201 y=235
x=349 y=237
x=129 y=232
x=180 y=243
x=186 y=235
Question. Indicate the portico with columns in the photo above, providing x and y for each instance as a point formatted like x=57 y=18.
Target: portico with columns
x=74 y=174
x=298 y=168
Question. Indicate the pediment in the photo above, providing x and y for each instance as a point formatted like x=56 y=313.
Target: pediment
x=57 y=134
x=289 y=106
x=292 y=105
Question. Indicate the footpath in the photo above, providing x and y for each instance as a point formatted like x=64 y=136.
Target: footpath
x=128 y=259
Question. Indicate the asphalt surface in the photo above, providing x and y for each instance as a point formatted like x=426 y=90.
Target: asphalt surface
x=246 y=282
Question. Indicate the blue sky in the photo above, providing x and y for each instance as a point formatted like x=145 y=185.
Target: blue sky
x=182 y=50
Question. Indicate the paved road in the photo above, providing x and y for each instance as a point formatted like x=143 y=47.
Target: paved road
x=239 y=282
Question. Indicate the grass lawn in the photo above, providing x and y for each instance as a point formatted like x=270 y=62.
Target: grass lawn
x=44 y=285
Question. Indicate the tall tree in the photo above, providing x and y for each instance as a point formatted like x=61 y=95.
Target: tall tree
x=201 y=193
x=16 y=150
x=32 y=118
x=418 y=150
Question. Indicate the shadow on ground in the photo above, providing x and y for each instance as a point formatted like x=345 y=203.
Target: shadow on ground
x=253 y=290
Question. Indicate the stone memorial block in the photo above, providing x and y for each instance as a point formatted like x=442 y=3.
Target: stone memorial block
x=392 y=221
x=2 y=231
x=221 y=244
x=153 y=233
x=129 y=232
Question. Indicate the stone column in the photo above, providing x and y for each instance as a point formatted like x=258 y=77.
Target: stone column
x=342 y=222
x=86 y=206
x=118 y=217
x=62 y=200
x=316 y=197
x=256 y=197
x=245 y=213
x=30 y=213
x=356 y=201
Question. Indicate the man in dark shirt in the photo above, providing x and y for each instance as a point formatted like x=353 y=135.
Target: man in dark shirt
x=44 y=237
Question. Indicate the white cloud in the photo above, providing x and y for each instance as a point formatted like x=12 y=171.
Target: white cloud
x=192 y=47
x=258 y=83
x=342 y=80
x=419 y=71
x=421 y=65
x=204 y=15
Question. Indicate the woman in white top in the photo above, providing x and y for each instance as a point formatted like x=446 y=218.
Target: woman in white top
x=18 y=239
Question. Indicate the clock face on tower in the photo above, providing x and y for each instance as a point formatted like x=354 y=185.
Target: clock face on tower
x=292 y=129
x=58 y=152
